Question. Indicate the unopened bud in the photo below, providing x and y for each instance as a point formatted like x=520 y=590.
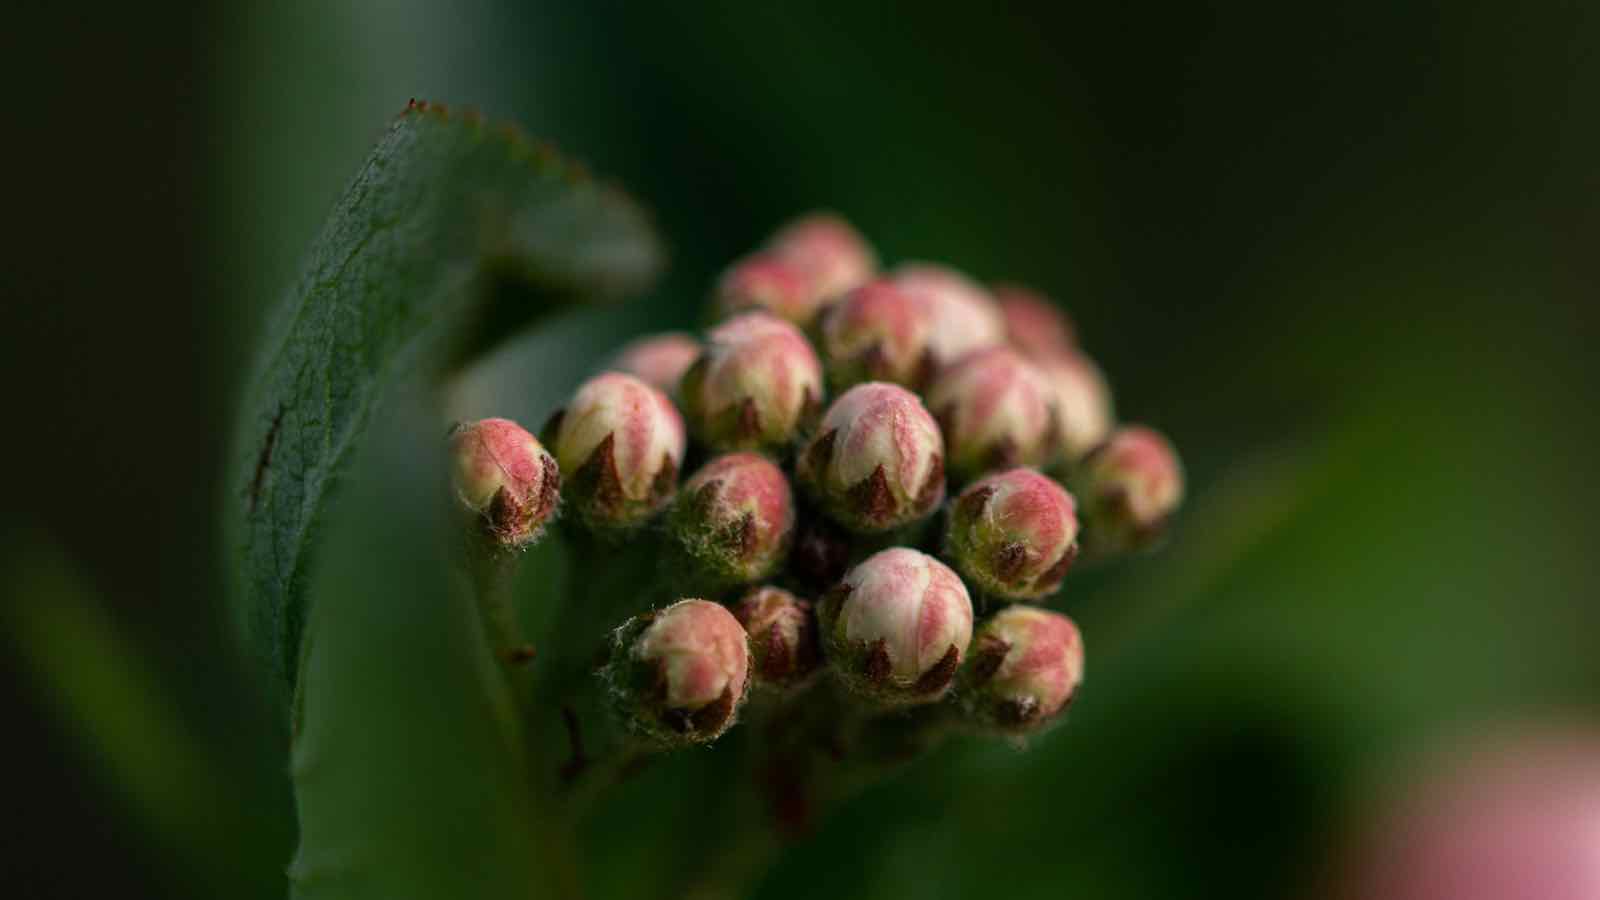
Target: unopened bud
x=897 y=627
x=997 y=410
x=1128 y=488
x=660 y=360
x=965 y=317
x=1026 y=664
x=877 y=461
x=784 y=651
x=878 y=332
x=1014 y=534
x=769 y=283
x=734 y=519
x=757 y=383
x=504 y=474
x=829 y=249
x=1034 y=325
x=679 y=675
x=1083 y=404
x=621 y=442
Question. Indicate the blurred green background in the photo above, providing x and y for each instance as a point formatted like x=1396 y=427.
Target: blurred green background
x=1346 y=255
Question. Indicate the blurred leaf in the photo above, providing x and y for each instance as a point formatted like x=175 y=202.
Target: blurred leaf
x=408 y=762
x=202 y=807
x=452 y=235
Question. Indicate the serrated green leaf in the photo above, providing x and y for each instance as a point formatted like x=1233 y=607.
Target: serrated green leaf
x=453 y=235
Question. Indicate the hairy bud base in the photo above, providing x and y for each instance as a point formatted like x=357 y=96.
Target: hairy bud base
x=679 y=675
x=1014 y=534
x=623 y=443
x=877 y=461
x=503 y=474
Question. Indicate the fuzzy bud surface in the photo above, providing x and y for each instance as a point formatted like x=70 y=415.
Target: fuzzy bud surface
x=830 y=250
x=998 y=411
x=757 y=383
x=965 y=316
x=622 y=443
x=505 y=475
x=679 y=675
x=877 y=461
x=878 y=332
x=1014 y=534
x=1129 y=487
x=734 y=518
x=897 y=627
x=784 y=651
x=1034 y=325
x=1025 y=667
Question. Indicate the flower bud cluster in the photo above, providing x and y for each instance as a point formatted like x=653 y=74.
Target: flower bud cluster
x=817 y=471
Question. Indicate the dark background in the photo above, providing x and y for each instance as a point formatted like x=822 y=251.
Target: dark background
x=1346 y=255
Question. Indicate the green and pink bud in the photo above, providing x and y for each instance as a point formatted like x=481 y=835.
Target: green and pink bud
x=829 y=250
x=1084 y=416
x=784 y=651
x=734 y=519
x=621 y=442
x=1013 y=534
x=1025 y=668
x=505 y=477
x=1034 y=325
x=1128 y=487
x=877 y=461
x=878 y=332
x=965 y=316
x=997 y=410
x=897 y=627
x=679 y=675
x=755 y=387
x=768 y=283
x=659 y=360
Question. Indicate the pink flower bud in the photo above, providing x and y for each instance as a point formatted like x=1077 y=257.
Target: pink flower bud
x=997 y=410
x=783 y=637
x=772 y=284
x=878 y=332
x=877 y=461
x=1128 y=488
x=1034 y=325
x=679 y=675
x=896 y=628
x=1083 y=404
x=734 y=519
x=826 y=246
x=965 y=317
x=659 y=360
x=757 y=383
x=1026 y=665
x=504 y=474
x=621 y=442
x=1014 y=534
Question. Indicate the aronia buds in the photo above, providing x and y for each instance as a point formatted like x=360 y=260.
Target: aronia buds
x=755 y=385
x=1026 y=664
x=621 y=442
x=1128 y=487
x=1083 y=404
x=679 y=675
x=784 y=651
x=877 y=461
x=733 y=520
x=768 y=283
x=826 y=247
x=997 y=410
x=1013 y=534
x=897 y=627
x=878 y=332
x=965 y=317
x=505 y=476
x=1034 y=325
x=659 y=360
